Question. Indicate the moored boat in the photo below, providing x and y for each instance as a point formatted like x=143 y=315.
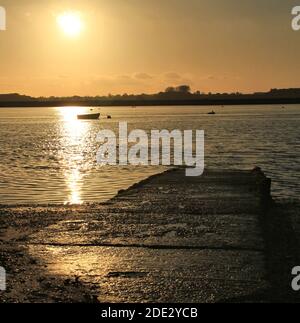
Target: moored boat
x=93 y=116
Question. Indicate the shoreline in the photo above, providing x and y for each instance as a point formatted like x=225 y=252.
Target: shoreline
x=223 y=240
x=151 y=103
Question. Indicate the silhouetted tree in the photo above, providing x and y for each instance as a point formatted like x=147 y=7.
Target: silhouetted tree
x=170 y=89
x=183 y=89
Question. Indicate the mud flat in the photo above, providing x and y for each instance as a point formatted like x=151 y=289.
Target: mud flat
x=171 y=238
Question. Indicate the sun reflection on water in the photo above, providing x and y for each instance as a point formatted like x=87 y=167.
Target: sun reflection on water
x=73 y=180
x=73 y=137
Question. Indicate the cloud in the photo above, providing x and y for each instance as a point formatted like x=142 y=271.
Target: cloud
x=176 y=79
x=143 y=76
x=173 y=76
x=217 y=78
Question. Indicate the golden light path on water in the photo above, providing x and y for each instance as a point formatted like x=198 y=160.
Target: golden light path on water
x=73 y=136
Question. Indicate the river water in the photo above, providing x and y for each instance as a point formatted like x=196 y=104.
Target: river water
x=48 y=156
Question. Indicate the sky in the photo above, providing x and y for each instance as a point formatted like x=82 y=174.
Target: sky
x=144 y=46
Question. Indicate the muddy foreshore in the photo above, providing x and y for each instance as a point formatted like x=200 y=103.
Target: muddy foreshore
x=217 y=238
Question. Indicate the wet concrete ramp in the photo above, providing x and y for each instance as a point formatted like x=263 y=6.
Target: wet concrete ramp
x=170 y=238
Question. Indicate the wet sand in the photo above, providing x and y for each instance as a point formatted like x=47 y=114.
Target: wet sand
x=214 y=238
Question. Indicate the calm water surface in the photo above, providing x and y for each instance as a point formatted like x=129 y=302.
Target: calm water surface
x=47 y=156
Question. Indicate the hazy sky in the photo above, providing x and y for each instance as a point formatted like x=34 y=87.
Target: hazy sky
x=138 y=46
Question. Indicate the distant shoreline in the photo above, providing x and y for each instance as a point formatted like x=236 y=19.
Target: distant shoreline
x=179 y=96
x=144 y=103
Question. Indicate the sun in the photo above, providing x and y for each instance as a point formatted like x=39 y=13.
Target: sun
x=70 y=23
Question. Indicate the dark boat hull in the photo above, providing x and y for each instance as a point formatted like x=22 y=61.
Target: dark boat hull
x=94 y=116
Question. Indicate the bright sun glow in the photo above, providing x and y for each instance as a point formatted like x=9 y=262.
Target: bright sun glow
x=70 y=23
